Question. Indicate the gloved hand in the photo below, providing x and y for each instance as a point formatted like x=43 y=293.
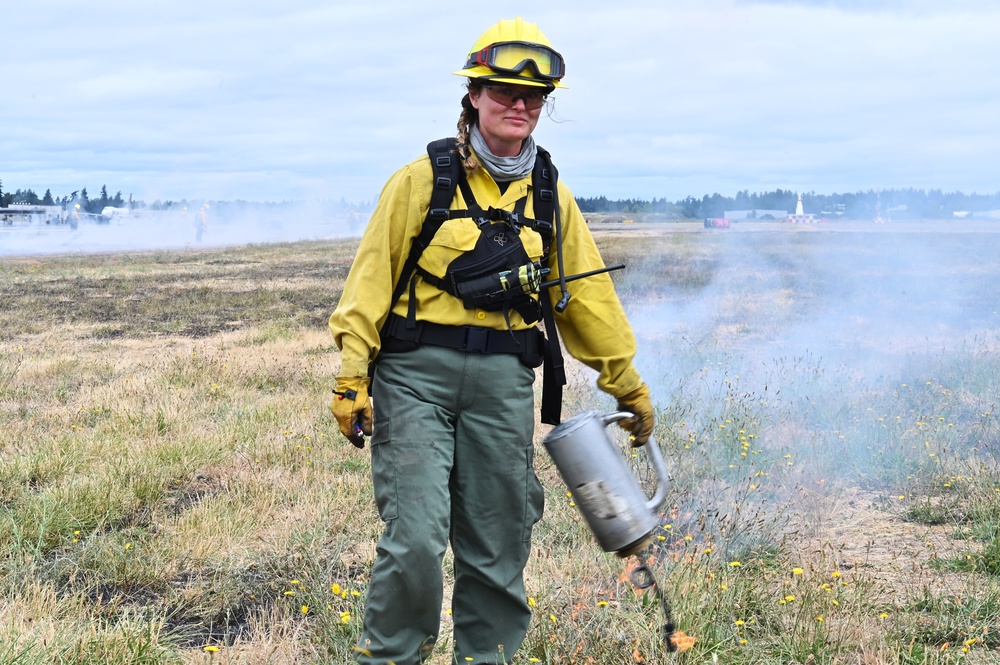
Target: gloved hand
x=639 y=403
x=352 y=407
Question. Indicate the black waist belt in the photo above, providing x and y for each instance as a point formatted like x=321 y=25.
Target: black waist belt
x=470 y=339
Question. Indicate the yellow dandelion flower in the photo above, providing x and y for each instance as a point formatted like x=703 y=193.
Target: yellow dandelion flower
x=532 y=602
x=305 y=609
x=735 y=564
x=602 y=603
x=210 y=648
x=820 y=618
x=739 y=622
x=884 y=615
x=797 y=571
x=289 y=593
x=335 y=589
x=835 y=574
x=790 y=598
x=552 y=618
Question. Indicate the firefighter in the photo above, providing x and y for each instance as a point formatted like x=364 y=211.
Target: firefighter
x=74 y=220
x=200 y=222
x=452 y=428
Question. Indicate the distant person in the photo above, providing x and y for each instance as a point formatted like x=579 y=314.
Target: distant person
x=201 y=222
x=74 y=219
x=354 y=221
x=455 y=354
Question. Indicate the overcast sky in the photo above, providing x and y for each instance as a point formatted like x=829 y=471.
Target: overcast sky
x=323 y=99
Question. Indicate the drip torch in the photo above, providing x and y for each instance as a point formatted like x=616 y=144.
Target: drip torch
x=608 y=494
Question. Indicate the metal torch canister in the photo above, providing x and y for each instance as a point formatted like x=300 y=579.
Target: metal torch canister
x=595 y=471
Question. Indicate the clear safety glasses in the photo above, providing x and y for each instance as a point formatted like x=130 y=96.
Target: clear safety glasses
x=508 y=95
x=514 y=57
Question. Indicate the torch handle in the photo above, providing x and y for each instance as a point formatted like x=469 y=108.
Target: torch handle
x=655 y=457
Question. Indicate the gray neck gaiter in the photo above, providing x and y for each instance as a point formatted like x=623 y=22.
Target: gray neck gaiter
x=503 y=169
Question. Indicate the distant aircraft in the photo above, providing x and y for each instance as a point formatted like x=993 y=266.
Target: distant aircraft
x=110 y=212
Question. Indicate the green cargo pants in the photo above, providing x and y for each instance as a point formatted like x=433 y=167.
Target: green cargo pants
x=452 y=461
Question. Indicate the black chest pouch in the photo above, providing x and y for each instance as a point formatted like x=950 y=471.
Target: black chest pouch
x=496 y=275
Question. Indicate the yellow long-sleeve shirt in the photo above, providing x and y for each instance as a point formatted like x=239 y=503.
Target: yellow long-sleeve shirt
x=593 y=328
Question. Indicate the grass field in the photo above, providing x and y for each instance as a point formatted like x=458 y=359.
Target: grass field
x=173 y=489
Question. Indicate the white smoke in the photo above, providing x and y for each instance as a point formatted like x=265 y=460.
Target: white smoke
x=225 y=225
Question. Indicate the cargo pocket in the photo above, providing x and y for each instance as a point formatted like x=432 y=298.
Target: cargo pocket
x=534 y=503
x=384 y=470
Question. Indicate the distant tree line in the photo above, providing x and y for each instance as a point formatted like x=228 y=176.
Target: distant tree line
x=80 y=196
x=917 y=203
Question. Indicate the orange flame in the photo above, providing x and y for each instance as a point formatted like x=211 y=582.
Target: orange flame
x=682 y=641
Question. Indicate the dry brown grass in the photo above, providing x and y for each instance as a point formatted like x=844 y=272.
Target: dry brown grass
x=170 y=478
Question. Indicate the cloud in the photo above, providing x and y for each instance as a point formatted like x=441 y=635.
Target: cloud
x=313 y=99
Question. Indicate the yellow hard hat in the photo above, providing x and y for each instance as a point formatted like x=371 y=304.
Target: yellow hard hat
x=515 y=51
x=77 y=206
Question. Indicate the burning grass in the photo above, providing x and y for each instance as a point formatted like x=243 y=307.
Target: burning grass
x=172 y=489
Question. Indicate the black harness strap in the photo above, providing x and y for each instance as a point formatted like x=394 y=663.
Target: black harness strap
x=449 y=173
x=544 y=178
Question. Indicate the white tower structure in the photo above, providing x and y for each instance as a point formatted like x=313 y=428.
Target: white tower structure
x=800 y=217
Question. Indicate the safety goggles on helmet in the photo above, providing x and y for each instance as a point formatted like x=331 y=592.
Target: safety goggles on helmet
x=515 y=57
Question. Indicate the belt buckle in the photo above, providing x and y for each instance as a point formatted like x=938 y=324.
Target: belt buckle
x=476 y=339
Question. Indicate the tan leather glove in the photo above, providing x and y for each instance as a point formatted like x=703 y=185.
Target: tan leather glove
x=352 y=407
x=639 y=403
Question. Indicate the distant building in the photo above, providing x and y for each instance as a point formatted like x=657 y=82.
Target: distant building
x=982 y=214
x=757 y=214
x=23 y=214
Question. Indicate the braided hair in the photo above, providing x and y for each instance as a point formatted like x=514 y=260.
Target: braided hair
x=468 y=118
